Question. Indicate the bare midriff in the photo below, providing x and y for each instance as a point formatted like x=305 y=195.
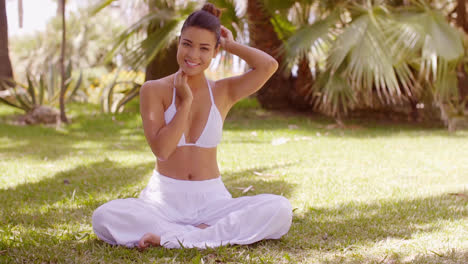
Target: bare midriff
x=190 y=163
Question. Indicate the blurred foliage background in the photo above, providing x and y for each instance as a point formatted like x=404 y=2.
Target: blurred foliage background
x=398 y=59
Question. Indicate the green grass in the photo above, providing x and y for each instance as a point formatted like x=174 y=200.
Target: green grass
x=376 y=194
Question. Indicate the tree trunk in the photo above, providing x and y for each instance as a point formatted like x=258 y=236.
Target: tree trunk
x=461 y=15
x=462 y=83
x=163 y=64
x=60 y=6
x=63 y=115
x=462 y=22
x=20 y=13
x=5 y=63
x=302 y=86
x=274 y=94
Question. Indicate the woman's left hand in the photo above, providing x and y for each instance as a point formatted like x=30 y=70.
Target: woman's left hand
x=226 y=36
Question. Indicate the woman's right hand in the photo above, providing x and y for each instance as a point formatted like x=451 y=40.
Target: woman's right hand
x=182 y=88
x=226 y=37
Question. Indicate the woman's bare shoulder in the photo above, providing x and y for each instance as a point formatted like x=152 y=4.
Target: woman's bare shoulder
x=156 y=86
x=160 y=88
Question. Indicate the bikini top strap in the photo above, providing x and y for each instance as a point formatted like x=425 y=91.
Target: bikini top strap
x=174 y=93
x=211 y=93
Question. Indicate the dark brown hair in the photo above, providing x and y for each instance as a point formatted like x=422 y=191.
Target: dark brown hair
x=206 y=18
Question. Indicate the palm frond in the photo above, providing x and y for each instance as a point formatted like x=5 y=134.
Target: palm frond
x=445 y=87
x=232 y=16
x=138 y=27
x=333 y=94
x=31 y=90
x=145 y=51
x=139 y=51
x=346 y=41
x=368 y=49
x=93 y=10
x=281 y=6
x=430 y=29
x=316 y=36
x=440 y=47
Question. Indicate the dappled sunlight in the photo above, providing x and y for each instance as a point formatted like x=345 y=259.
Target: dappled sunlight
x=6 y=142
x=76 y=191
x=357 y=194
x=376 y=226
x=256 y=181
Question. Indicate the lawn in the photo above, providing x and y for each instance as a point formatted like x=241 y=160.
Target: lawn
x=377 y=192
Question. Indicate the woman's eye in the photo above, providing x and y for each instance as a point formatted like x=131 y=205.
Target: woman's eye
x=205 y=49
x=186 y=44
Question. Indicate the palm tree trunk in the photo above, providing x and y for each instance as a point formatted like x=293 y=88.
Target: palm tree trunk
x=63 y=115
x=461 y=15
x=163 y=64
x=20 y=13
x=5 y=63
x=60 y=6
x=462 y=22
x=274 y=94
x=302 y=86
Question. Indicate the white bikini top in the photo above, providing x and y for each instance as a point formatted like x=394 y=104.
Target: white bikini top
x=211 y=134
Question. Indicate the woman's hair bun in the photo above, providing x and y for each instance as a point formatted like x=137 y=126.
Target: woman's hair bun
x=212 y=9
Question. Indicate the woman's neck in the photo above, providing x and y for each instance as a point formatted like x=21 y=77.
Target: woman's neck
x=195 y=82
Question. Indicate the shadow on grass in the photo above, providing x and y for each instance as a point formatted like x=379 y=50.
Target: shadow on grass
x=70 y=195
x=238 y=182
x=451 y=256
x=43 y=142
x=364 y=224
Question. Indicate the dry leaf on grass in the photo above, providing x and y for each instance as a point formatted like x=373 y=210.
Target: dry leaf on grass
x=463 y=195
x=247 y=189
x=264 y=174
x=244 y=189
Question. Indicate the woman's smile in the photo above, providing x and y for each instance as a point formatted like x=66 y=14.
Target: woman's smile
x=191 y=64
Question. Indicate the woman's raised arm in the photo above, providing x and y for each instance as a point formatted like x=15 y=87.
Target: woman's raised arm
x=262 y=68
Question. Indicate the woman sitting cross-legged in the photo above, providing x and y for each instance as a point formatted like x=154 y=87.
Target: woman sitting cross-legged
x=185 y=202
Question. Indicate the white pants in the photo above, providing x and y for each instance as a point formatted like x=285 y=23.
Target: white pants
x=171 y=209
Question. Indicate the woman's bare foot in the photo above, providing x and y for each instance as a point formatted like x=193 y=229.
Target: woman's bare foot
x=202 y=226
x=149 y=239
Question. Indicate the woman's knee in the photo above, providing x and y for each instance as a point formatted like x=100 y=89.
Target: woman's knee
x=284 y=208
x=100 y=220
x=100 y=215
x=278 y=206
x=280 y=210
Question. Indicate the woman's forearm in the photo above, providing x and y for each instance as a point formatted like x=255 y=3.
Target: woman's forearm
x=255 y=58
x=165 y=142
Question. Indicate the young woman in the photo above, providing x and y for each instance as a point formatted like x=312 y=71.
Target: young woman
x=185 y=202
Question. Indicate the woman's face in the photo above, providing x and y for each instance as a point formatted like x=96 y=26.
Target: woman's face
x=196 y=50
